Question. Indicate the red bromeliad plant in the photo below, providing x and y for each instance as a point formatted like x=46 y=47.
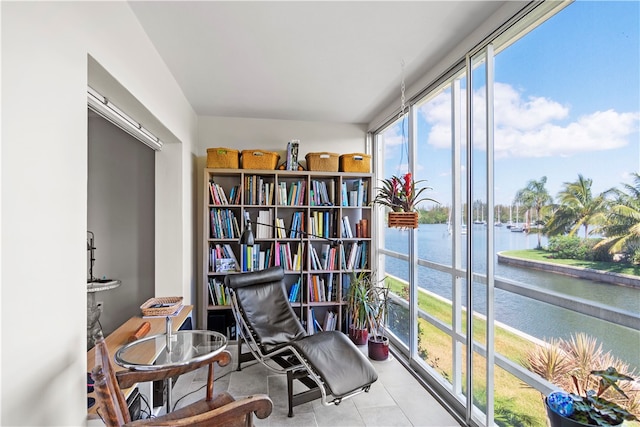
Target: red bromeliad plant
x=400 y=194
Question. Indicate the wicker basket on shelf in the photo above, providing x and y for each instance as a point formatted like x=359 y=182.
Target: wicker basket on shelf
x=223 y=158
x=167 y=306
x=259 y=159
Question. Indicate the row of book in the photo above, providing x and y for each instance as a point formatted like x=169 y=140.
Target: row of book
x=320 y=195
x=357 y=256
x=219 y=197
x=361 y=231
x=222 y=259
x=355 y=193
x=259 y=257
x=322 y=289
x=263 y=224
x=258 y=191
x=224 y=224
x=323 y=224
x=294 y=292
x=295 y=196
x=328 y=258
x=218 y=292
x=329 y=323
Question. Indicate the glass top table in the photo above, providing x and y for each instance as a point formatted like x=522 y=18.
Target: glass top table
x=178 y=349
x=151 y=353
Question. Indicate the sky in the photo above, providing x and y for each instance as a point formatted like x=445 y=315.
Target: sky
x=567 y=102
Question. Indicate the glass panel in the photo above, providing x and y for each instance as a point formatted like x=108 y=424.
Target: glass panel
x=479 y=235
x=547 y=133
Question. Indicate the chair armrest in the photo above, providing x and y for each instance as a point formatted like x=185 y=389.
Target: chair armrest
x=128 y=378
x=231 y=413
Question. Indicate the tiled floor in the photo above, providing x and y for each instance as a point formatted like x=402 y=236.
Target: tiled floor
x=396 y=399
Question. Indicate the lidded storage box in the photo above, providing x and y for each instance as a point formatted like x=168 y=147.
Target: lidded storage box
x=223 y=158
x=326 y=162
x=259 y=159
x=355 y=162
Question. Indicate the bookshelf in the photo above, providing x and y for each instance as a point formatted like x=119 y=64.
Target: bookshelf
x=297 y=206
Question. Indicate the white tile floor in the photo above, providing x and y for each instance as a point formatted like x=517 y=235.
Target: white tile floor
x=396 y=399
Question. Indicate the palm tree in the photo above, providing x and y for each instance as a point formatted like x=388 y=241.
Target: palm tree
x=577 y=208
x=535 y=196
x=623 y=222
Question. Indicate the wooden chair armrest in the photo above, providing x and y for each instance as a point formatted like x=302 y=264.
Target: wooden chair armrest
x=233 y=413
x=128 y=378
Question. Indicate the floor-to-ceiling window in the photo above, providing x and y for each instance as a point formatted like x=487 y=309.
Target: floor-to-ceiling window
x=550 y=104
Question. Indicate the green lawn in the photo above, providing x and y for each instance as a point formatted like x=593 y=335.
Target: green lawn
x=515 y=402
x=542 y=255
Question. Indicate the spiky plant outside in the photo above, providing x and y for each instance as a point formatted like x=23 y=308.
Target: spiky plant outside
x=579 y=364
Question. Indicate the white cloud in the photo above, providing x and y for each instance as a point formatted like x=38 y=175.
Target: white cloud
x=532 y=127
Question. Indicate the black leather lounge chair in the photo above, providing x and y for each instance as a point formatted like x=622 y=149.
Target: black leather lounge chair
x=328 y=363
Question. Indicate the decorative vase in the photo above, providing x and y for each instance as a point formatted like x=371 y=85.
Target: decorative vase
x=358 y=336
x=403 y=219
x=378 y=347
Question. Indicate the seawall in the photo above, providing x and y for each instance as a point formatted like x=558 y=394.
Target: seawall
x=580 y=272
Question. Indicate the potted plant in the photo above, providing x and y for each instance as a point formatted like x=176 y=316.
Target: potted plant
x=359 y=306
x=401 y=196
x=378 y=343
x=588 y=407
x=367 y=310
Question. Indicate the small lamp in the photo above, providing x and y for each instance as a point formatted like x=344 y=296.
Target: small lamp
x=246 y=242
x=247 y=235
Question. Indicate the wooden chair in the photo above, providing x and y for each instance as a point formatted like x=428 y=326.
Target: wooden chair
x=221 y=409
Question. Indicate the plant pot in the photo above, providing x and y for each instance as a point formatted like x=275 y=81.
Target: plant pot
x=358 y=336
x=557 y=420
x=378 y=347
x=403 y=219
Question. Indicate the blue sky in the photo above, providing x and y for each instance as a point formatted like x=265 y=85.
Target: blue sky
x=567 y=102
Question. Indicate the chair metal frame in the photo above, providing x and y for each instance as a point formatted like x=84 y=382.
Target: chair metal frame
x=286 y=360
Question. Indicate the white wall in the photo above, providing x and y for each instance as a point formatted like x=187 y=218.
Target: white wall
x=45 y=46
x=273 y=135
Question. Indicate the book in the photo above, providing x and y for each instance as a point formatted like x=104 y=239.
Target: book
x=324 y=255
x=292 y=154
x=224 y=265
x=214 y=301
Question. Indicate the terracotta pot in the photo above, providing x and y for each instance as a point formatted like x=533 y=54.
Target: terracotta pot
x=557 y=420
x=378 y=347
x=358 y=336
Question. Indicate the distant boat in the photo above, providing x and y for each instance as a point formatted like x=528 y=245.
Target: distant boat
x=516 y=228
x=498 y=224
x=463 y=227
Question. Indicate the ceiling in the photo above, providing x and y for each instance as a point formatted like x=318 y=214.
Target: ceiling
x=329 y=61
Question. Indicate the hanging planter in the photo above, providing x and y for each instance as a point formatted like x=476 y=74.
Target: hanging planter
x=402 y=220
x=401 y=195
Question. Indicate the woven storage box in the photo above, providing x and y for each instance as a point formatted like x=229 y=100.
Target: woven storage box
x=169 y=306
x=355 y=162
x=327 y=162
x=258 y=159
x=223 y=158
